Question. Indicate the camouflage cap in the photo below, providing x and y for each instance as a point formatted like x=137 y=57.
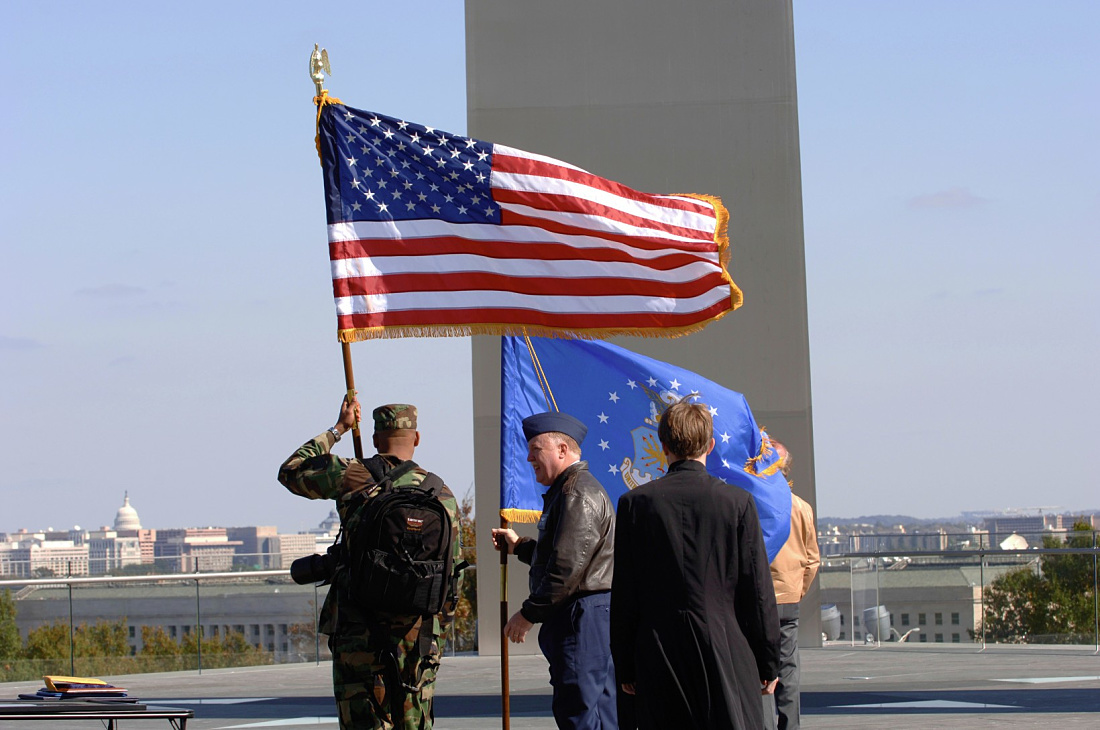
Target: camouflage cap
x=394 y=416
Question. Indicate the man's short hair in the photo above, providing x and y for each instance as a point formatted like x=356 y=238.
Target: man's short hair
x=685 y=429
x=557 y=437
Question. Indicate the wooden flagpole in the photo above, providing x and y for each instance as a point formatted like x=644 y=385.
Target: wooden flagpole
x=349 y=381
x=318 y=67
x=505 y=690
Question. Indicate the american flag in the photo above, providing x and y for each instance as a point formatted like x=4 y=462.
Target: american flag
x=432 y=233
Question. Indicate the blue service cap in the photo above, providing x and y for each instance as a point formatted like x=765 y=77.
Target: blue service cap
x=550 y=421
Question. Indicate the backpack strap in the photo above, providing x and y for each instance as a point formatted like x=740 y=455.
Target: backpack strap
x=432 y=483
x=377 y=466
x=381 y=470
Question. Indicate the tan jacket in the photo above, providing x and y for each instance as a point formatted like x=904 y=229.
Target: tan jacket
x=795 y=566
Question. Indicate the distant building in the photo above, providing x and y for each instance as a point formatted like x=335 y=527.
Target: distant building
x=873 y=539
x=899 y=541
x=127 y=516
x=109 y=552
x=254 y=549
x=128 y=547
x=325 y=533
x=285 y=549
x=1034 y=527
x=194 y=549
x=43 y=554
x=832 y=542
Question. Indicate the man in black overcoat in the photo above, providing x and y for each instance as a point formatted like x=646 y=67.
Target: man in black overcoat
x=694 y=627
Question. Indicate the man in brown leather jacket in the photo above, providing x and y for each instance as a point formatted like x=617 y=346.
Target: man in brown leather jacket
x=570 y=579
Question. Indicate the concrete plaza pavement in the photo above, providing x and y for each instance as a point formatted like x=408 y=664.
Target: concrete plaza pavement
x=940 y=686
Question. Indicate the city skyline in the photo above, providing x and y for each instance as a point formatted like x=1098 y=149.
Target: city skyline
x=113 y=524
x=167 y=325
x=971 y=517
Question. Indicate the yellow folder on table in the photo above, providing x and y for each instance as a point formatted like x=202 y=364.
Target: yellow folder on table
x=57 y=683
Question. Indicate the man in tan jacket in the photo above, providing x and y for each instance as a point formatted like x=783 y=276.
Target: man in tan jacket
x=793 y=571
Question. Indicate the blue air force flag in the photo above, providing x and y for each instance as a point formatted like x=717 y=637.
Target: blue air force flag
x=620 y=395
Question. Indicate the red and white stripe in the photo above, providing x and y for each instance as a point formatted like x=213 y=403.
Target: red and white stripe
x=574 y=252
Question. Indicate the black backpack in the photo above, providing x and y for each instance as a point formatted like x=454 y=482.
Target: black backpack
x=398 y=545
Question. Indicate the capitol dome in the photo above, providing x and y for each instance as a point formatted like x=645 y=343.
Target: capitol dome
x=331 y=524
x=127 y=517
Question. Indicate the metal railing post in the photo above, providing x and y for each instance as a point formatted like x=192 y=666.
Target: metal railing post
x=198 y=625
x=981 y=592
x=852 y=601
x=1095 y=599
x=72 y=634
x=878 y=602
x=316 y=623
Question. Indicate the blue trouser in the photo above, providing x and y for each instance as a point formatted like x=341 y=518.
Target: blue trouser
x=577 y=643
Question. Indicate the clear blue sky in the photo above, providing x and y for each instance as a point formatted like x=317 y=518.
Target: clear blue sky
x=167 y=325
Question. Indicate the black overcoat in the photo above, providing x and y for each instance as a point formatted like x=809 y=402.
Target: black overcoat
x=693 y=617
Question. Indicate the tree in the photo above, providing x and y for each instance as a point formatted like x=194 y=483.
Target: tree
x=161 y=653
x=230 y=649
x=465 y=624
x=101 y=648
x=48 y=642
x=10 y=643
x=304 y=638
x=136 y=569
x=11 y=646
x=1051 y=601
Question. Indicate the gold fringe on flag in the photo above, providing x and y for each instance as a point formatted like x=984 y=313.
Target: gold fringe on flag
x=322 y=100
x=765 y=451
x=722 y=240
x=361 y=334
x=527 y=516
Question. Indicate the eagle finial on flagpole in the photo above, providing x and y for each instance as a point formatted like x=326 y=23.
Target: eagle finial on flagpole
x=318 y=67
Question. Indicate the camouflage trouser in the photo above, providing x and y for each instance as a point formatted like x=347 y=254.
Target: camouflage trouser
x=368 y=670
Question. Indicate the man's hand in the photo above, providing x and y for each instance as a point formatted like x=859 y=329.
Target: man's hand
x=768 y=688
x=517 y=627
x=628 y=687
x=506 y=536
x=349 y=414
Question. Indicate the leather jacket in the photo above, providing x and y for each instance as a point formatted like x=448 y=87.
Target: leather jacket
x=574 y=553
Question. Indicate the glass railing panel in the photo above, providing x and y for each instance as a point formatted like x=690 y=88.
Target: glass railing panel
x=835 y=582
x=1001 y=597
x=1045 y=595
x=865 y=604
x=91 y=627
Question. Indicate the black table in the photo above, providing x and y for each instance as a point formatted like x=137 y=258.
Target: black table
x=112 y=712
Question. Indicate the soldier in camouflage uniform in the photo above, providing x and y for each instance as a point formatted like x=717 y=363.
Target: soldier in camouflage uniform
x=377 y=657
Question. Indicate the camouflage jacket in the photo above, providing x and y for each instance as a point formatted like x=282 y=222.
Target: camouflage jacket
x=315 y=473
